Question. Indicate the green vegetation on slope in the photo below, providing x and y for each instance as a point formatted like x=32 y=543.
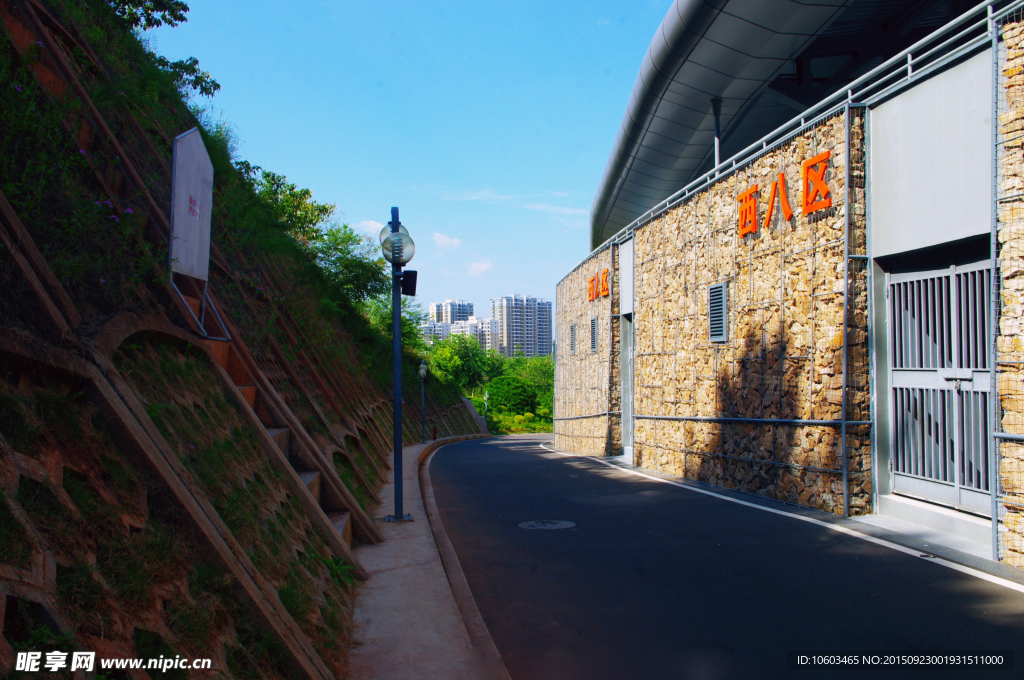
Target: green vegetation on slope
x=519 y=390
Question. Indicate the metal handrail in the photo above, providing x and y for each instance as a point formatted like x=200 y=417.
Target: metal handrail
x=831 y=104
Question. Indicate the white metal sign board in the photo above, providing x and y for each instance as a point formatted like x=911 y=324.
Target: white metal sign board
x=191 y=201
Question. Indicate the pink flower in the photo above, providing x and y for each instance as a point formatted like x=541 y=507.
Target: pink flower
x=114 y=217
x=129 y=211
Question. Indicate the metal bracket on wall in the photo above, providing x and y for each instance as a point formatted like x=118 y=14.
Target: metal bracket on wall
x=200 y=320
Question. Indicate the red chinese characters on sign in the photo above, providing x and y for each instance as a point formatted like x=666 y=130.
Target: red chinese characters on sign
x=812 y=183
x=778 y=188
x=748 y=211
x=813 y=188
x=597 y=286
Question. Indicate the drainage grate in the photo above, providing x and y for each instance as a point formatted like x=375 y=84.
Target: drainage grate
x=547 y=524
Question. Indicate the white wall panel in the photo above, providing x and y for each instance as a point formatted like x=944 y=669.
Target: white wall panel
x=191 y=205
x=931 y=160
x=626 y=277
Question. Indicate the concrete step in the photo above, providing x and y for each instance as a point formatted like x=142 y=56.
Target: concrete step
x=248 y=393
x=282 y=437
x=312 y=482
x=342 y=521
x=936 y=517
x=221 y=350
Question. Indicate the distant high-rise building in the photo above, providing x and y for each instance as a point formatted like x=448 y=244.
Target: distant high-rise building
x=450 y=311
x=544 y=337
x=434 y=331
x=483 y=330
x=524 y=325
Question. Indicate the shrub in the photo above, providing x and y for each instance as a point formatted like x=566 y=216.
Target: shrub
x=515 y=394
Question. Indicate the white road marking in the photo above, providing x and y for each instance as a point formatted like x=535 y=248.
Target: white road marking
x=828 y=525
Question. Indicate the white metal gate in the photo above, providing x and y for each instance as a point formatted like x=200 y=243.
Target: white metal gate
x=939 y=378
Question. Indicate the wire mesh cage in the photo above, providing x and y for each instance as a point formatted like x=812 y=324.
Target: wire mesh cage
x=762 y=410
x=1007 y=289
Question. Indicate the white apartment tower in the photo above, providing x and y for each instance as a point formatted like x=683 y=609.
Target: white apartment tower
x=524 y=324
x=450 y=311
x=435 y=331
x=485 y=331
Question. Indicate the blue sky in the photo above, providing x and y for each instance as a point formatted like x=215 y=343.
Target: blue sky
x=488 y=124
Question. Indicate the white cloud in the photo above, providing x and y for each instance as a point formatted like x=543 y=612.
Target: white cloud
x=368 y=227
x=446 y=242
x=557 y=209
x=478 y=268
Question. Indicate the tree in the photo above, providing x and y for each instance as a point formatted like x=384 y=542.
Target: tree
x=493 y=364
x=147 y=14
x=292 y=207
x=352 y=265
x=538 y=372
x=459 y=361
x=515 y=394
x=378 y=312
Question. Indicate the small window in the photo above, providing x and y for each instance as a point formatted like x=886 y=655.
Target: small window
x=717 y=322
x=593 y=334
x=572 y=339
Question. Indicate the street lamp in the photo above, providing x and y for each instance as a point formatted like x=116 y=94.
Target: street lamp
x=423 y=399
x=485 y=405
x=398 y=248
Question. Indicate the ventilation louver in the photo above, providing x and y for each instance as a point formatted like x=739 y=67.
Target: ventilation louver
x=717 y=326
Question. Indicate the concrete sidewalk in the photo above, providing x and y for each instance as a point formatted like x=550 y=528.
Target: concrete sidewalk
x=407 y=623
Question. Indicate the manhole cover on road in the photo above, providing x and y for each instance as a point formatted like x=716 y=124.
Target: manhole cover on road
x=547 y=524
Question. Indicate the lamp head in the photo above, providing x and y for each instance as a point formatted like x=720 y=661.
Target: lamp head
x=398 y=248
x=386 y=231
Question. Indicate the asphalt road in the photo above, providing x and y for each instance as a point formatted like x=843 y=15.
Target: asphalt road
x=656 y=581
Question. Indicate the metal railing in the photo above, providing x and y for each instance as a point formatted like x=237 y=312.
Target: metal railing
x=969 y=32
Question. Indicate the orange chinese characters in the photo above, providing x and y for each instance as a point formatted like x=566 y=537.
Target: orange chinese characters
x=748 y=211
x=604 y=283
x=812 y=183
x=778 y=187
x=591 y=288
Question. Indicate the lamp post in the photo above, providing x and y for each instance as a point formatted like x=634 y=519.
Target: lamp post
x=423 y=399
x=485 y=405
x=398 y=248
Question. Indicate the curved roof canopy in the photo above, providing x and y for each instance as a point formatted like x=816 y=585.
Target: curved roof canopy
x=703 y=50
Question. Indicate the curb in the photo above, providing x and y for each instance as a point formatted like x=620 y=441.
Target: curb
x=490 y=665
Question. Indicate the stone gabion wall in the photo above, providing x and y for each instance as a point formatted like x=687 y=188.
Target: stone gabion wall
x=1010 y=339
x=582 y=379
x=783 y=357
